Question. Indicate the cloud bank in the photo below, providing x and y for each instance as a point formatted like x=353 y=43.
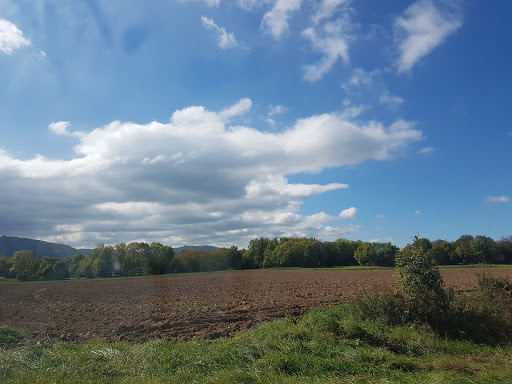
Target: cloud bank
x=197 y=179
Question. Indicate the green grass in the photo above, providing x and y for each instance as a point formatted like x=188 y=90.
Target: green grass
x=323 y=346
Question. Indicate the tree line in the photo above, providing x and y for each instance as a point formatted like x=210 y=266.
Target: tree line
x=139 y=258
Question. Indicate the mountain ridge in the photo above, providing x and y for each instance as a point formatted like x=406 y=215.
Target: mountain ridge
x=41 y=248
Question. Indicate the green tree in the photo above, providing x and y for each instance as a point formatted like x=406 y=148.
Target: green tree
x=234 y=258
x=102 y=261
x=46 y=269
x=443 y=252
x=158 y=259
x=464 y=251
x=485 y=250
x=257 y=250
x=505 y=249
x=24 y=265
x=74 y=265
x=376 y=254
x=345 y=250
x=5 y=267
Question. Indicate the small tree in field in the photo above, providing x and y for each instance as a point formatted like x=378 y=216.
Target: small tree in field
x=421 y=282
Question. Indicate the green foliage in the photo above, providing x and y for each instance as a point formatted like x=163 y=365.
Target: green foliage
x=5 y=267
x=194 y=260
x=484 y=316
x=24 y=265
x=257 y=251
x=376 y=254
x=426 y=299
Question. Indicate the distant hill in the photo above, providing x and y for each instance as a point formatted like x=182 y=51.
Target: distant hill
x=195 y=247
x=10 y=244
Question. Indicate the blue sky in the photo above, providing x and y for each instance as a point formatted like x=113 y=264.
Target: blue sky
x=218 y=121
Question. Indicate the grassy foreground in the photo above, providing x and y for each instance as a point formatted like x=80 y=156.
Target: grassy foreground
x=326 y=345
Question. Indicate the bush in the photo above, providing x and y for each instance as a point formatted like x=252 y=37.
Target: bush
x=484 y=316
x=426 y=299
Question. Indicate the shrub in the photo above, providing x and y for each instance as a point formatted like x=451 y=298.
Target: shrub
x=484 y=316
x=426 y=299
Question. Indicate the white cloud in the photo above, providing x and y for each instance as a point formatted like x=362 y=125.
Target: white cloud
x=380 y=216
x=498 y=199
x=60 y=128
x=326 y=9
x=426 y=150
x=210 y=3
x=387 y=99
x=276 y=110
x=422 y=28
x=275 y=21
x=226 y=40
x=348 y=213
x=11 y=38
x=361 y=78
x=332 y=44
x=195 y=179
x=417 y=212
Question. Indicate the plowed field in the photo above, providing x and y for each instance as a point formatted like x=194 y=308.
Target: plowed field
x=181 y=307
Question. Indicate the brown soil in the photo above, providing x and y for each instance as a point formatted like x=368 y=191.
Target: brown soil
x=181 y=307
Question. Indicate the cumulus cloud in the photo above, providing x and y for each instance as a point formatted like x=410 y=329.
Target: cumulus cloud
x=11 y=38
x=423 y=27
x=196 y=179
x=498 y=199
x=348 y=213
x=226 y=40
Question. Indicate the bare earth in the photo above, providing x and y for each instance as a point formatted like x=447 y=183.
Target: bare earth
x=181 y=307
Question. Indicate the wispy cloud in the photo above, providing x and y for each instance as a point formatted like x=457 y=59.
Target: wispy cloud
x=498 y=199
x=423 y=27
x=210 y=3
x=327 y=9
x=276 y=110
x=361 y=78
x=225 y=39
x=331 y=43
x=275 y=21
x=11 y=38
x=426 y=150
x=387 y=99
